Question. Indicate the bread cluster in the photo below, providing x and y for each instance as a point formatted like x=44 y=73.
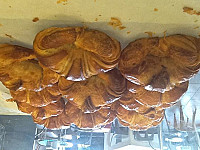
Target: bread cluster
x=81 y=76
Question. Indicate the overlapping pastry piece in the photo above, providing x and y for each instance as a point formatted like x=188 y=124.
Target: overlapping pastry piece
x=53 y=109
x=154 y=98
x=28 y=83
x=76 y=53
x=37 y=98
x=95 y=92
x=158 y=70
x=73 y=114
x=10 y=54
x=54 y=122
x=25 y=81
x=159 y=64
x=89 y=120
x=138 y=121
x=51 y=116
x=15 y=65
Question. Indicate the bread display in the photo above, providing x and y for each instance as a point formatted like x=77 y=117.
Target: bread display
x=72 y=77
x=76 y=53
x=95 y=92
x=159 y=64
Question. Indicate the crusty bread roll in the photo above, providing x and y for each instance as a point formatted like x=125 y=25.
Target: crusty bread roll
x=75 y=52
x=89 y=120
x=95 y=92
x=160 y=63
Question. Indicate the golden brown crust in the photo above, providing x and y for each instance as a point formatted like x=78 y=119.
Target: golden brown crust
x=41 y=113
x=54 y=122
x=22 y=75
x=155 y=99
x=52 y=109
x=95 y=92
x=160 y=63
x=49 y=77
x=129 y=102
x=137 y=121
x=75 y=52
x=89 y=120
x=37 y=98
x=10 y=54
x=26 y=108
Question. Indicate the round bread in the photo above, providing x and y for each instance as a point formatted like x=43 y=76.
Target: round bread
x=95 y=92
x=76 y=53
x=159 y=64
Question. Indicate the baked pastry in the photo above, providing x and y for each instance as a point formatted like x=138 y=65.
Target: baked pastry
x=159 y=64
x=95 y=92
x=137 y=121
x=89 y=120
x=26 y=108
x=22 y=75
x=128 y=101
x=76 y=53
x=54 y=122
x=49 y=77
x=10 y=54
x=154 y=98
x=37 y=98
x=51 y=116
x=19 y=70
x=53 y=109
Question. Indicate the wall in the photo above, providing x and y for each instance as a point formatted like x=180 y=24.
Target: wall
x=20 y=132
